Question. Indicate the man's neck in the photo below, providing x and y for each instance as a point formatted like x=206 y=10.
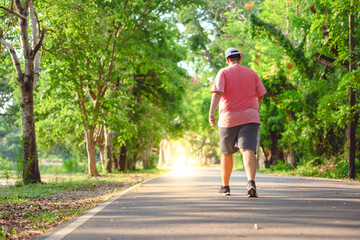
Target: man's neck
x=233 y=63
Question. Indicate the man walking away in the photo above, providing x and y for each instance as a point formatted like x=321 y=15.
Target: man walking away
x=239 y=91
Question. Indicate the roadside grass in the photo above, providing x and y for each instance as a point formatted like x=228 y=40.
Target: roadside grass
x=22 y=194
x=50 y=217
x=55 y=182
x=28 y=210
x=8 y=174
x=334 y=168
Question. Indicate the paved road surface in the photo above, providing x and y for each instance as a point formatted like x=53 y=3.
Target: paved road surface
x=188 y=207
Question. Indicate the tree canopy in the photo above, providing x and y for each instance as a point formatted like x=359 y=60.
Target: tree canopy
x=115 y=77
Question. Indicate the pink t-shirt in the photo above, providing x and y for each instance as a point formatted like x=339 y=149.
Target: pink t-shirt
x=241 y=87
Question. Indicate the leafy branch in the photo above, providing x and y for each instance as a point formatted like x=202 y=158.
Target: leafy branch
x=277 y=37
x=13 y=12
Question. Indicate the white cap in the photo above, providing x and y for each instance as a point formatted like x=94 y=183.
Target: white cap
x=231 y=51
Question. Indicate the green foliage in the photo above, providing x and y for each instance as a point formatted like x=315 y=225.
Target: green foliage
x=152 y=163
x=19 y=160
x=317 y=98
x=278 y=38
x=336 y=167
x=24 y=193
x=320 y=167
x=9 y=110
x=2 y=235
x=238 y=161
x=302 y=58
x=281 y=167
x=114 y=65
x=9 y=145
x=49 y=217
x=5 y=167
x=72 y=165
x=116 y=70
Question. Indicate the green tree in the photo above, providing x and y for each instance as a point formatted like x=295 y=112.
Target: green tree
x=92 y=46
x=157 y=89
x=27 y=74
x=103 y=52
x=300 y=52
x=319 y=76
x=340 y=55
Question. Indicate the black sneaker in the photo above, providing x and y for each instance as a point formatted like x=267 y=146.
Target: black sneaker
x=224 y=190
x=251 y=187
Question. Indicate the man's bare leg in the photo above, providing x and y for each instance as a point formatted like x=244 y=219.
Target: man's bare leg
x=226 y=168
x=250 y=169
x=249 y=159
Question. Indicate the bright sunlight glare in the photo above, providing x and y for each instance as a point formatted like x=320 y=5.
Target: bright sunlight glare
x=175 y=155
x=183 y=171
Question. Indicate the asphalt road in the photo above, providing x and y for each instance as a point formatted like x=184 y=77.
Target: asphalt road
x=178 y=206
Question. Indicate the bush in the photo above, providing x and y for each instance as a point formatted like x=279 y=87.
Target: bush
x=281 y=167
x=71 y=165
x=308 y=167
x=305 y=170
x=238 y=161
x=4 y=165
x=99 y=167
x=152 y=161
x=335 y=168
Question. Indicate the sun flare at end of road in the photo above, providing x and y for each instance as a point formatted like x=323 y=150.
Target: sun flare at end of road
x=183 y=171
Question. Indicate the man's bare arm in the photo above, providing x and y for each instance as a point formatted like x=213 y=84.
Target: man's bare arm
x=215 y=99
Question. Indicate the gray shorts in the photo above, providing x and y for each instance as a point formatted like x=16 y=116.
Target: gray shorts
x=239 y=137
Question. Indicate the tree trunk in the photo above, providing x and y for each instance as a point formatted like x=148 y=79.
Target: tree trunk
x=90 y=147
x=164 y=153
x=147 y=155
x=31 y=173
x=116 y=160
x=208 y=156
x=122 y=162
x=351 y=133
x=210 y=60
x=275 y=153
x=26 y=79
x=290 y=157
x=130 y=163
x=149 y=152
x=102 y=150
x=108 y=150
x=161 y=153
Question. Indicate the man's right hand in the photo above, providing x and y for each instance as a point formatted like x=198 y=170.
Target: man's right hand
x=212 y=119
x=214 y=103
